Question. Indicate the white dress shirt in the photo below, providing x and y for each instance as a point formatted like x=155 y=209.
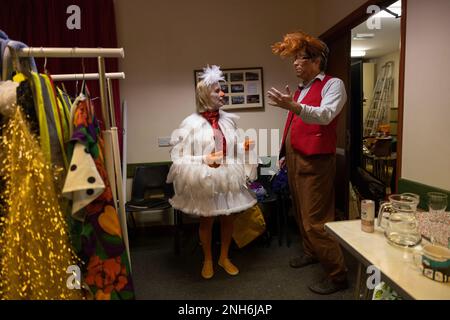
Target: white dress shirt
x=333 y=100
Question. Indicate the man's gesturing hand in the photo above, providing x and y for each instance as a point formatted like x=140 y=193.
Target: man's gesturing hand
x=281 y=100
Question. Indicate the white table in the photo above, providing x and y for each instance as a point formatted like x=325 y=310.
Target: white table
x=396 y=265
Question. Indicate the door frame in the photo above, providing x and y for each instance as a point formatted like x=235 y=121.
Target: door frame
x=344 y=27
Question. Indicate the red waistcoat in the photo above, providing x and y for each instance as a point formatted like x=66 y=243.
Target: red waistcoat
x=310 y=139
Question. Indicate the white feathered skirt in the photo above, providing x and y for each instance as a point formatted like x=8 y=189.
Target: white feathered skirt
x=204 y=191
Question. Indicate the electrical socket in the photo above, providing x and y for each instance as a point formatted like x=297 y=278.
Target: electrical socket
x=164 y=141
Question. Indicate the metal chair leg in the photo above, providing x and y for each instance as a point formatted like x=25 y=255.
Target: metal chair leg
x=280 y=224
x=132 y=219
x=286 y=220
x=358 y=282
x=177 y=234
x=178 y=220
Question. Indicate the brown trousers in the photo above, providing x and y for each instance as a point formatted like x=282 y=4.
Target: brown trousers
x=311 y=181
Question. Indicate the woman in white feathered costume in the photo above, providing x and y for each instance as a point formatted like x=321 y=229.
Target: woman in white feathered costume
x=210 y=165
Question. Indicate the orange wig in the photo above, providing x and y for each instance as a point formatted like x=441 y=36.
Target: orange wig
x=299 y=40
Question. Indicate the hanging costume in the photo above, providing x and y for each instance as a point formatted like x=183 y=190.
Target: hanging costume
x=35 y=251
x=6 y=57
x=102 y=245
x=200 y=189
x=64 y=105
x=48 y=118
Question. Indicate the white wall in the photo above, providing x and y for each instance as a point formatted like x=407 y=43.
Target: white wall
x=426 y=127
x=165 y=41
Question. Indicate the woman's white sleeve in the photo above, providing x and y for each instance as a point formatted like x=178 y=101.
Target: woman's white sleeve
x=249 y=158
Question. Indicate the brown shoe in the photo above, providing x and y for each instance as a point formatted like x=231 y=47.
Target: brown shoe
x=327 y=286
x=229 y=267
x=207 y=270
x=302 y=261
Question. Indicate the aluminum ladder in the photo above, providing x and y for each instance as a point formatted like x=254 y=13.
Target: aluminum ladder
x=381 y=100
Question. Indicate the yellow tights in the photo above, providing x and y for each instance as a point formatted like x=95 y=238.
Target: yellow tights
x=205 y=233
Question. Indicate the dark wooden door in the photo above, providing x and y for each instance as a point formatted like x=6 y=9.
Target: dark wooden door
x=338 y=39
x=356 y=114
x=339 y=66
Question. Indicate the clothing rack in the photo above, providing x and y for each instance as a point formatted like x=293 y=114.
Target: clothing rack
x=111 y=131
x=87 y=76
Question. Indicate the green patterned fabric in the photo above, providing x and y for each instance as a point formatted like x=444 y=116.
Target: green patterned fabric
x=384 y=292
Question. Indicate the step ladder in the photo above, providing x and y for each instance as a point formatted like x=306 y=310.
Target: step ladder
x=381 y=101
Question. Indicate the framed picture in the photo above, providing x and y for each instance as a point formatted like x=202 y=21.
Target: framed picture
x=243 y=88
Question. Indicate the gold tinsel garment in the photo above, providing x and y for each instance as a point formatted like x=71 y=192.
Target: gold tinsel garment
x=35 y=251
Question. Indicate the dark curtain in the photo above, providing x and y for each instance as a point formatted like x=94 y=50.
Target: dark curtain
x=42 y=23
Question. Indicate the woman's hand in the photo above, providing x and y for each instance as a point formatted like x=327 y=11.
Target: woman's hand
x=249 y=144
x=214 y=159
x=282 y=100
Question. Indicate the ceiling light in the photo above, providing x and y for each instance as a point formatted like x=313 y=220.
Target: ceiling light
x=358 y=53
x=363 y=36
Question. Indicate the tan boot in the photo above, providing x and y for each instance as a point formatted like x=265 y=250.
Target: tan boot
x=207 y=270
x=229 y=267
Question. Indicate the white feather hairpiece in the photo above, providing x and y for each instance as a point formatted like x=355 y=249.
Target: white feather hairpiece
x=211 y=75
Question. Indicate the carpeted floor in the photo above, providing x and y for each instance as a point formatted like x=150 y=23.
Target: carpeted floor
x=265 y=274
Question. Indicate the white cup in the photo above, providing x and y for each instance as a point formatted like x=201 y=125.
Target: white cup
x=433 y=261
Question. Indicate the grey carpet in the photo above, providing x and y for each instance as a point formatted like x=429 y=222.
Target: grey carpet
x=159 y=274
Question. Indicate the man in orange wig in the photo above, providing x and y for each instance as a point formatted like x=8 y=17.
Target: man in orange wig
x=309 y=151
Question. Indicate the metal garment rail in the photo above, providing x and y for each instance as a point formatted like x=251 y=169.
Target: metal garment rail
x=87 y=76
x=42 y=52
